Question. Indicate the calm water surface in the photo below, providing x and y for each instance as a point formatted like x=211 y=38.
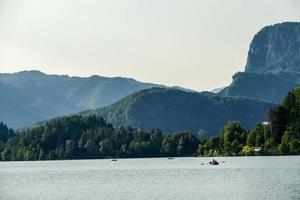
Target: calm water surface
x=158 y=178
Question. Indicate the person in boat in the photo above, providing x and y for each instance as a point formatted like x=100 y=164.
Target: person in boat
x=214 y=162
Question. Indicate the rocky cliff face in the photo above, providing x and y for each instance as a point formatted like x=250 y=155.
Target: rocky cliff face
x=273 y=65
x=275 y=48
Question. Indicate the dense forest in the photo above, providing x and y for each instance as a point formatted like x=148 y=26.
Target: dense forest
x=279 y=136
x=172 y=110
x=5 y=134
x=78 y=137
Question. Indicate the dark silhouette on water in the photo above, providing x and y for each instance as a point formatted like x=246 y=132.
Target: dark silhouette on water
x=214 y=162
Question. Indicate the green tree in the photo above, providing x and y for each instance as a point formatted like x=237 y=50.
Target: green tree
x=278 y=117
x=71 y=150
x=251 y=139
x=168 y=146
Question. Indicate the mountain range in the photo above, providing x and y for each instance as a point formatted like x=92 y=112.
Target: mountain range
x=30 y=96
x=271 y=71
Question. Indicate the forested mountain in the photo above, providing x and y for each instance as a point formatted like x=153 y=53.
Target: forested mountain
x=30 y=96
x=267 y=87
x=78 y=137
x=273 y=65
x=174 y=110
x=272 y=70
x=280 y=136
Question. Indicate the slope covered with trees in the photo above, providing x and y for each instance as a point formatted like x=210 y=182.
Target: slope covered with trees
x=5 y=134
x=173 y=110
x=30 y=96
x=280 y=136
x=267 y=87
x=78 y=137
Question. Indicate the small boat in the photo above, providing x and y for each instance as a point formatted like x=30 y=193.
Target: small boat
x=114 y=157
x=214 y=162
x=170 y=158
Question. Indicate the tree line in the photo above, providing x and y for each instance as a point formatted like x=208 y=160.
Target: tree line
x=78 y=137
x=280 y=135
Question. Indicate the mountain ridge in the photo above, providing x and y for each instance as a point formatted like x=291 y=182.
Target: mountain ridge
x=174 y=110
x=47 y=96
x=28 y=97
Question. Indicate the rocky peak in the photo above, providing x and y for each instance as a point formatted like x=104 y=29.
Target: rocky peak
x=275 y=48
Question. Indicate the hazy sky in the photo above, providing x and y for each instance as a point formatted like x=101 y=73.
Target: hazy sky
x=191 y=43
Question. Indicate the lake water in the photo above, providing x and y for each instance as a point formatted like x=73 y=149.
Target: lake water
x=238 y=178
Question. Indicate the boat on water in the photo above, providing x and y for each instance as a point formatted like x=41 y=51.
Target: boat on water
x=214 y=162
x=115 y=157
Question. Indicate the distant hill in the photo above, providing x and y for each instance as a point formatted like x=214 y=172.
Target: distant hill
x=273 y=65
x=260 y=86
x=30 y=96
x=271 y=71
x=174 y=110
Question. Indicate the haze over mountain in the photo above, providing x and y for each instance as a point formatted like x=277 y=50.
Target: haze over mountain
x=174 y=110
x=273 y=65
x=30 y=96
x=272 y=70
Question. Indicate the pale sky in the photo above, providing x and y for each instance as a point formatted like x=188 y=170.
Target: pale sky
x=197 y=44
